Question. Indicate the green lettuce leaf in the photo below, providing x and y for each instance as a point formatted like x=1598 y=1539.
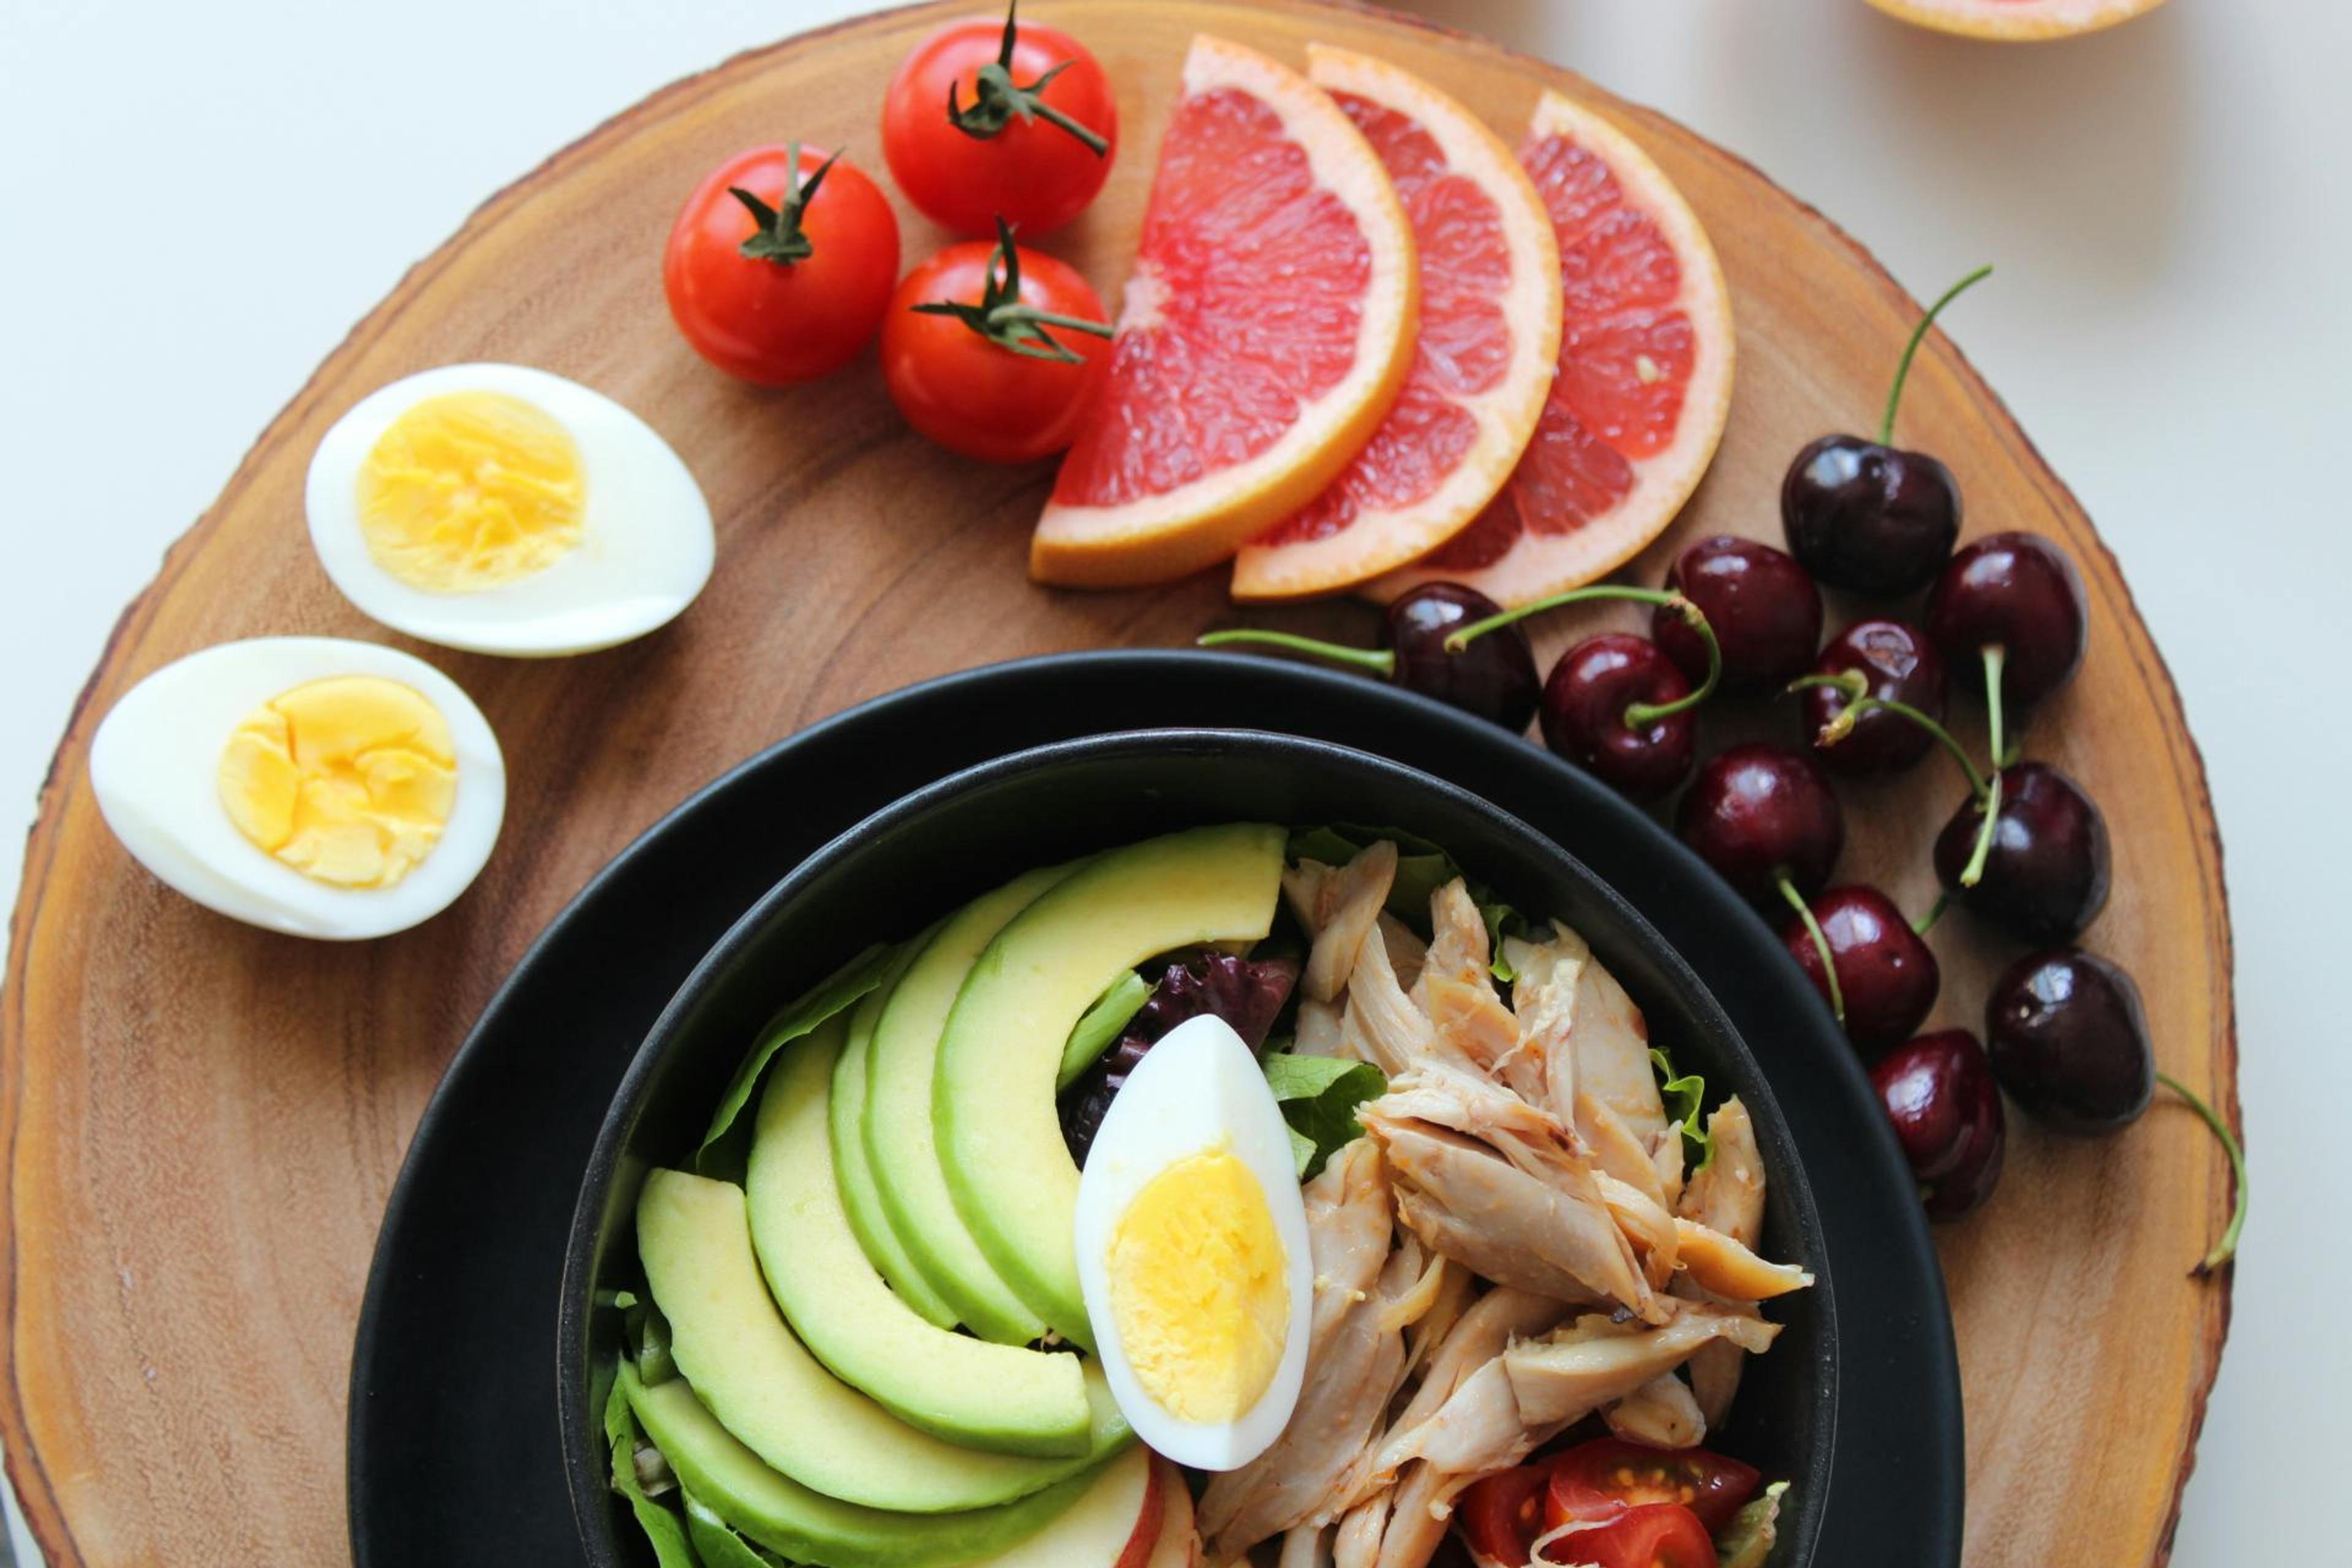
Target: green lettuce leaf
x=663 y=1528
x=1319 y=1096
x=1748 y=1540
x=1686 y=1098
x=1423 y=868
x=1101 y=1026
x=838 y=991
x=716 y=1542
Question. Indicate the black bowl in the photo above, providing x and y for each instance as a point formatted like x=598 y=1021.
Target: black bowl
x=930 y=851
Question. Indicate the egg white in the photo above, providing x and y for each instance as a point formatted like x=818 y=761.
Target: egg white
x=646 y=547
x=1198 y=1089
x=154 y=769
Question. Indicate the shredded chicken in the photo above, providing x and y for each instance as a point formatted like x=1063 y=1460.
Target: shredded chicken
x=1357 y=1541
x=1727 y=1197
x=1407 y=953
x=1719 y=1263
x=1316 y=1032
x=1662 y=1413
x=1541 y=1069
x=1382 y=1024
x=1302 y=1547
x=1573 y=1371
x=1456 y=988
x=1338 y=907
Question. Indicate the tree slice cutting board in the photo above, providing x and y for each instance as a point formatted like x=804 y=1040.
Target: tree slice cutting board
x=202 y=1121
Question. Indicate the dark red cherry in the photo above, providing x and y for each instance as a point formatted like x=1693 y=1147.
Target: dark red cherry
x=1764 y=610
x=1584 y=708
x=1940 y=1094
x=1901 y=666
x=2045 y=877
x=1492 y=676
x=1760 y=814
x=1888 y=977
x=1861 y=515
x=2068 y=1039
x=2017 y=592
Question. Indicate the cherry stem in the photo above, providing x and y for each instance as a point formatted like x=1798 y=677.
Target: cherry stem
x=1639 y=715
x=1926 y=922
x=1994 y=657
x=2226 y=1249
x=1820 y=943
x=1903 y=367
x=1380 y=660
x=1856 y=687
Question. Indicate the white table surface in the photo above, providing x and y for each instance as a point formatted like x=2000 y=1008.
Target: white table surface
x=200 y=200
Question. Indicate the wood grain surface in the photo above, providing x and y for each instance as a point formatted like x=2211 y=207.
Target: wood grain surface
x=202 y=1121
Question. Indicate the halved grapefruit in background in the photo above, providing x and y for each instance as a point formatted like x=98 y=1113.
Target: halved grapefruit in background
x=2016 y=21
x=1265 y=331
x=1490 y=304
x=1644 y=383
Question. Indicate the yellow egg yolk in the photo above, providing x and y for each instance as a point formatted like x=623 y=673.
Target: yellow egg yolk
x=469 y=490
x=348 y=779
x=1198 y=1289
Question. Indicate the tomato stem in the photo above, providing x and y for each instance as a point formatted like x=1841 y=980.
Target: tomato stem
x=2225 y=1250
x=997 y=99
x=779 y=237
x=1382 y=661
x=1903 y=367
x=1004 y=320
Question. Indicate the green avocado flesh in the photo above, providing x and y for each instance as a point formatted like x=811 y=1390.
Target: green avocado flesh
x=715 y=1540
x=1102 y=1025
x=992 y=1108
x=808 y=1527
x=901 y=1149
x=859 y=1196
x=1003 y=1398
x=742 y=1360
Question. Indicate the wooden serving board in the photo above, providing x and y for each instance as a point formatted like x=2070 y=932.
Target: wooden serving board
x=202 y=1121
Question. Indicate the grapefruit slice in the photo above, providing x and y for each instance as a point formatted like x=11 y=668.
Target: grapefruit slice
x=1489 y=334
x=1643 y=381
x=2016 y=21
x=1265 y=331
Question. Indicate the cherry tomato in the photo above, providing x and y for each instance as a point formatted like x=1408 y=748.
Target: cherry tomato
x=1655 y=1535
x=1030 y=135
x=986 y=351
x=1502 y=1514
x=1596 y=1480
x=789 y=284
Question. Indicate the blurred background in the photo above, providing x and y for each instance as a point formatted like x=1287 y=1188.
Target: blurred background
x=201 y=201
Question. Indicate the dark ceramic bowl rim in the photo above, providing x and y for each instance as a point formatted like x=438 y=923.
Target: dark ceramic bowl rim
x=584 y=1463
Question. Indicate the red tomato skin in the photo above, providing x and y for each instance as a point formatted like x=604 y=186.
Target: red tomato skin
x=772 y=323
x=1588 y=1481
x=1037 y=177
x=1655 y=1535
x=974 y=396
x=1502 y=1513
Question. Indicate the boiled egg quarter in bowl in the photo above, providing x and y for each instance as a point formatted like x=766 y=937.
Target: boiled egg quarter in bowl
x=502 y=509
x=310 y=785
x=1192 y=1251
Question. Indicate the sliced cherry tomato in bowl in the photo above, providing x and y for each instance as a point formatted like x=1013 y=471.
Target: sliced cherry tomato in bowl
x=994 y=351
x=779 y=265
x=1651 y=1535
x=984 y=123
x=1501 y=1515
x=1605 y=1477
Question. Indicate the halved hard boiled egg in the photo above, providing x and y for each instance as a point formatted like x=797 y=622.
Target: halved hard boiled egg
x=1192 y=1251
x=310 y=785
x=502 y=510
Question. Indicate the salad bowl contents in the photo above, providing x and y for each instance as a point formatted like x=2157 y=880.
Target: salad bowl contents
x=1234 y=1190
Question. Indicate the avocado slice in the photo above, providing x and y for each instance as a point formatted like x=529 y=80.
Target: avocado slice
x=1005 y=1398
x=740 y=1359
x=992 y=1110
x=859 y=1197
x=808 y=1527
x=716 y=1542
x=900 y=1148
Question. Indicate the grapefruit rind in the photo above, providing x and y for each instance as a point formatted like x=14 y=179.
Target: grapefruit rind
x=2020 y=22
x=1379 y=539
x=1538 y=565
x=1174 y=532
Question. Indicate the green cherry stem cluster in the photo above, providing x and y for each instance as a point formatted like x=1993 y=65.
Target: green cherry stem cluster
x=1639 y=715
